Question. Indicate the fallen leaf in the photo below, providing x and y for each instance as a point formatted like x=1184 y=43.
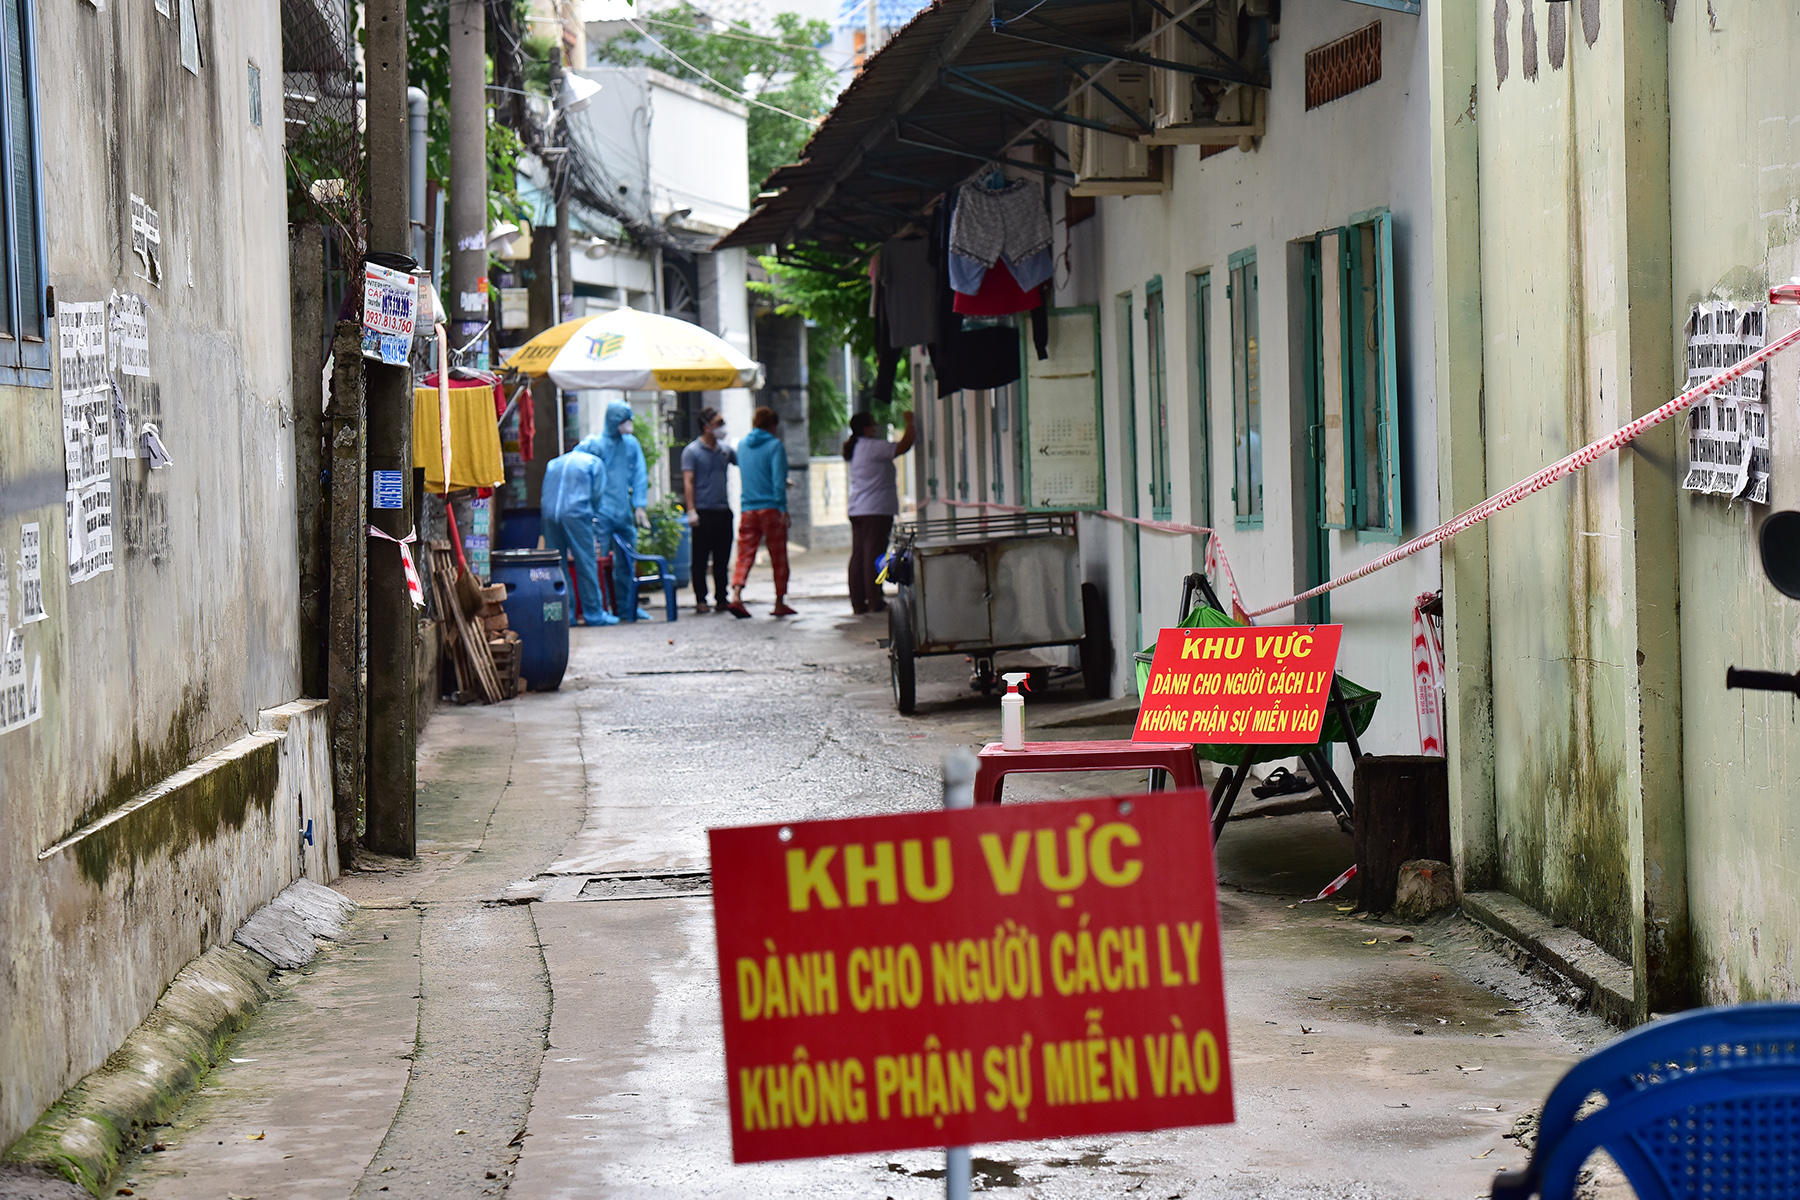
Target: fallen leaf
x=1346 y=907
x=1371 y=941
x=256 y=1137
x=1484 y=1153
x=1304 y=1029
x=1396 y=1106
x=1460 y=1067
x=462 y=1131
x=1442 y=1021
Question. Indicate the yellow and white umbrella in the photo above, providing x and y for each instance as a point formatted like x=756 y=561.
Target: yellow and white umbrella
x=631 y=350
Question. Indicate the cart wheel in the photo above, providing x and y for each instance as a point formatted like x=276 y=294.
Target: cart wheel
x=900 y=650
x=1096 y=645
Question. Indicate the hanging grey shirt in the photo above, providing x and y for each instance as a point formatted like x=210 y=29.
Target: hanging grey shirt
x=708 y=467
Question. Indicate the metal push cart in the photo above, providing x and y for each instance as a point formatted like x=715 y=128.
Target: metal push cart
x=979 y=586
x=1347 y=717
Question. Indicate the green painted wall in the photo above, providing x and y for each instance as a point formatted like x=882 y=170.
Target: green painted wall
x=1735 y=212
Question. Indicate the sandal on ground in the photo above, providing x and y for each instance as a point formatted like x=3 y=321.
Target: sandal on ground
x=738 y=611
x=1281 y=782
x=782 y=610
x=700 y=606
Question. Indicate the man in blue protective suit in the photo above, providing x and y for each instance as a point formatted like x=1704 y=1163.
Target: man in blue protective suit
x=574 y=490
x=627 y=490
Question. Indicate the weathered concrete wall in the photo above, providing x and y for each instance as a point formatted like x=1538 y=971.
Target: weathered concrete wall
x=1572 y=128
x=1312 y=171
x=1734 y=141
x=174 y=653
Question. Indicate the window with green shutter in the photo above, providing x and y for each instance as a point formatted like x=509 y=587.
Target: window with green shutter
x=1156 y=364
x=24 y=345
x=1356 y=440
x=1246 y=392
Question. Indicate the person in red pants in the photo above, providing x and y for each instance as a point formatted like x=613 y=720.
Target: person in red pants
x=763 y=478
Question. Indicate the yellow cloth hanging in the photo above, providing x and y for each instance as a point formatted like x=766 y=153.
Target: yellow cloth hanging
x=474 y=439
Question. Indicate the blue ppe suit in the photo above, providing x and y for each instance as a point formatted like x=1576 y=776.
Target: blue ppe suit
x=574 y=487
x=627 y=490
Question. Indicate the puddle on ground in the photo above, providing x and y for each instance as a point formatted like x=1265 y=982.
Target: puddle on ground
x=1414 y=1000
x=985 y=1174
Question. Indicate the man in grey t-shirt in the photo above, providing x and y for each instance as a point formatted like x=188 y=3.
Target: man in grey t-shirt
x=703 y=465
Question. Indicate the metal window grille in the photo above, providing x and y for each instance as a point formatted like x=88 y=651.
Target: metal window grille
x=1338 y=68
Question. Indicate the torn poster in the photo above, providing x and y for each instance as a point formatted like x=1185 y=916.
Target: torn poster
x=129 y=327
x=87 y=436
x=31 y=574
x=146 y=238
x=390 y=304
x=90 y=531
x=1728 y=430
x=21 y=698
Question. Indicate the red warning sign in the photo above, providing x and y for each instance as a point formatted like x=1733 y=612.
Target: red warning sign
x=1263 y=683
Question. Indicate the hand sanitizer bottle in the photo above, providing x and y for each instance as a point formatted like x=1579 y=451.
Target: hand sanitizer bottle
x=1012 y=710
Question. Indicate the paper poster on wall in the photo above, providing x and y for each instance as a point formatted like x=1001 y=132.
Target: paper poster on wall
x=1062 y=415
x=390 y=303
x=1728 y=430
x=87 y=436
x=129 y=328
x=21 y=695
x=146 y=239
x=31 y=574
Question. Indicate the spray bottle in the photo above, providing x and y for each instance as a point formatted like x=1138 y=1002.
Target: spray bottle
x=1012 y=710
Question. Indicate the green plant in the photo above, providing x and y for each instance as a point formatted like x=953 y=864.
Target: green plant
x=663 y=538
x=785 y=76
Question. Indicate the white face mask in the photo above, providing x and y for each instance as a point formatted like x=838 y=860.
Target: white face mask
x=625 y=427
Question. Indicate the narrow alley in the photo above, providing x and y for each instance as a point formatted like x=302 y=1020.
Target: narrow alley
x=532 y=1007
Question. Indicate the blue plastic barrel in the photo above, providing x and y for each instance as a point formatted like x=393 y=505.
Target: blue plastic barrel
x=537 y=608
x=520 y=528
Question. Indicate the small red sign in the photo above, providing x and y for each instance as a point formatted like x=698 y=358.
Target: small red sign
x=1259 y=683
x=943 y=978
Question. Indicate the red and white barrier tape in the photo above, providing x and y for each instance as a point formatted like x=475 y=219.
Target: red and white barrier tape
x=413 y=588
x=1555 y=472
x=1334 y=887
x=1428 y=676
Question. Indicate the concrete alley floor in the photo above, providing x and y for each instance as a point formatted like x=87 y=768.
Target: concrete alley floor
x=457 y=1044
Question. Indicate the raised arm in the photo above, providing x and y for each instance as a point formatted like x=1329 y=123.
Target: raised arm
x=907 y=438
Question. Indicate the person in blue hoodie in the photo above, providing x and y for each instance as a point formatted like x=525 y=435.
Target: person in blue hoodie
x=574 y=490
x=627 y=489
x=763 y=476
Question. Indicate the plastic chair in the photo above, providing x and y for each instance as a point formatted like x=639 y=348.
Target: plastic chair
x=1702 y=1104
x=603 y=567
x=663 y=573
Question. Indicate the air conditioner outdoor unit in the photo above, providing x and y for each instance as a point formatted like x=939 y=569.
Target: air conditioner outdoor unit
x=1112 y=156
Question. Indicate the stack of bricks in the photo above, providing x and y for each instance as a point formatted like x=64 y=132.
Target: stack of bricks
x=502 y=642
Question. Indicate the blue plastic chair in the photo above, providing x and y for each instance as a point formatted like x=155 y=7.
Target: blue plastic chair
x=662 y=569
x=1704 y=1104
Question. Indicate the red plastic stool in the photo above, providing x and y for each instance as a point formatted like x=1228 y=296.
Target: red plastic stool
x=996 y=762
x=603 y=565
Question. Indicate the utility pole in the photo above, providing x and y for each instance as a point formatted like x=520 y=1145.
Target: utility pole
x=559 y=171
x=391 y=775
x=467 y=297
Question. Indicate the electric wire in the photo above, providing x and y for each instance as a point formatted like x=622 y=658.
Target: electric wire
x=810 y=122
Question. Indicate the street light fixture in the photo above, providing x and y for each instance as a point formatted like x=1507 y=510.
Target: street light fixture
x=575 y=92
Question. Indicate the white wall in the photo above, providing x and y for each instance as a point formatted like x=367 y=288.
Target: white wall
x=1312 y=170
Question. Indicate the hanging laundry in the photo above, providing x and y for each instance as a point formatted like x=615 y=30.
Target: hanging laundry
x=906 y=291
x=975 y=358
x=475 y=459
x=999 y=296
x=988 y=226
